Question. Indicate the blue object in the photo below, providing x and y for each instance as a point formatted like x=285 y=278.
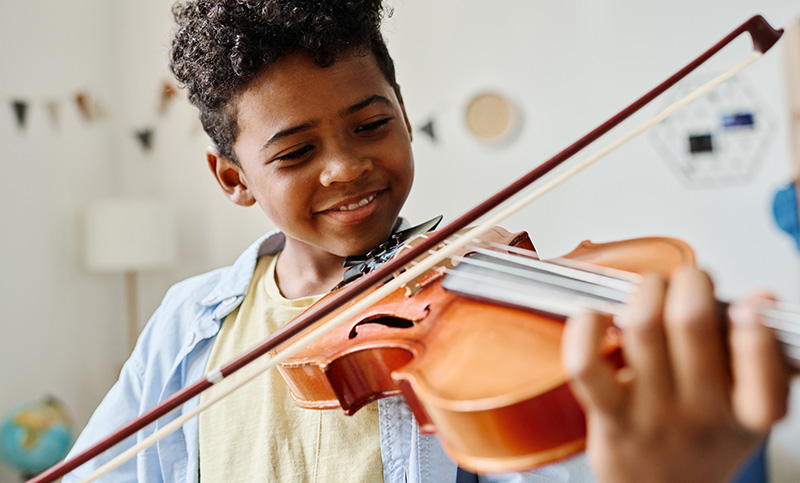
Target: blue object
x=755 y=470
x=35 y=436
x=784 y=207
x=738 y=120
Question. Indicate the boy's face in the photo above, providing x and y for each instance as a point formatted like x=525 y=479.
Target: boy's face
x=325 y=152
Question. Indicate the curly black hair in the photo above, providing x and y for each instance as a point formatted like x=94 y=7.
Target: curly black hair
x=221 y=45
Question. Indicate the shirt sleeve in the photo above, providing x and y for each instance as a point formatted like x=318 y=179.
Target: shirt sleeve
x=119 y=406
x=156 y=368
x=124 y=402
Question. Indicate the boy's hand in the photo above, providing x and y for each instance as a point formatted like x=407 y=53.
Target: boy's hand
x=695 y=398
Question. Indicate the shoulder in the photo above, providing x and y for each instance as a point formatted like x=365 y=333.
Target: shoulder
x=194 y=307
x=208 y=290
x=191 y=292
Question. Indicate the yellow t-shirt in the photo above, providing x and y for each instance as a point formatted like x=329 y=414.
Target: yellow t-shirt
x=258 y=434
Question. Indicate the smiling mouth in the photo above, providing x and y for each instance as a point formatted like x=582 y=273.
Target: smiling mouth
x=354 y=203
x=357 y=208
x=354 y=206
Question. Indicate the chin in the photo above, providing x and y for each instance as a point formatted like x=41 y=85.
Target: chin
x=351 y=249
x=361 y=245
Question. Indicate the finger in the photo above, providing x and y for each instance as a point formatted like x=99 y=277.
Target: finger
x=644 y=345
x=591 y=375
x=760 y=376
x=696 y=344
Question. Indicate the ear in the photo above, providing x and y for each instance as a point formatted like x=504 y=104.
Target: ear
x=230 y=177
x=405 y=116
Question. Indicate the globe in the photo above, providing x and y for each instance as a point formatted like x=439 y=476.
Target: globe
x=35 y=435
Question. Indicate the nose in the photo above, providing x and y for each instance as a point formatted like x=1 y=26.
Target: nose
x=343 y=167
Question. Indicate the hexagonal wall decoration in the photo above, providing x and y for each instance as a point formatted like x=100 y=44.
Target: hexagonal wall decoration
x=718 y=139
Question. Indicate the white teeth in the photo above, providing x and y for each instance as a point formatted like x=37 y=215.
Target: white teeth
x=354 y=206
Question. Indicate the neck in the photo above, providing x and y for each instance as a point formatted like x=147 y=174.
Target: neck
x=303 y=270
x=564 y=287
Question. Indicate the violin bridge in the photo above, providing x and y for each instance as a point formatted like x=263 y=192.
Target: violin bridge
x=415 y=286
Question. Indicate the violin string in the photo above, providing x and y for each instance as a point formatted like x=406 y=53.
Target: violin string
x=499 y=246
x=782 y=311
x=579 y=271
x=551 y=300
x=550 y=280
x=570 y=262
x=523 y=252
x=782 y=318
x=540 y=280
x=564 y=300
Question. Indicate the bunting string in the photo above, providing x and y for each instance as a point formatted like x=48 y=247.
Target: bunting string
x=91 y=109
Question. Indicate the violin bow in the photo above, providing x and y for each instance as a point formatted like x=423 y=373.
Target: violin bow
x=763 y=37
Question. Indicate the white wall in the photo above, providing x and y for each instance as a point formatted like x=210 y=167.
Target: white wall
x=568 y=64
x=59 y=335
x=63 y=328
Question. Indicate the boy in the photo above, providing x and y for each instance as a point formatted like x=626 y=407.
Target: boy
x=307 y=120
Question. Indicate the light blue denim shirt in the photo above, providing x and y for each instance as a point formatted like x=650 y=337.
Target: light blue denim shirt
x=172 y=352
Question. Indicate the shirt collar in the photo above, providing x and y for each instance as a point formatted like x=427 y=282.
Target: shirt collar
x=234 y=280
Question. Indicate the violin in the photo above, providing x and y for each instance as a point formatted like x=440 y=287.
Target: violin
x=490 y=442
x=474 y=346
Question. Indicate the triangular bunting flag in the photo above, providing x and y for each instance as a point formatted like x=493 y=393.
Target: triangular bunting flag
x=428 y=129
x=84 y=106
x=168 y=93
x=20 y=111
x=145 y=137
x=53 y=112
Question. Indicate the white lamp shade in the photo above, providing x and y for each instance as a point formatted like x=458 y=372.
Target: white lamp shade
x=130 y=234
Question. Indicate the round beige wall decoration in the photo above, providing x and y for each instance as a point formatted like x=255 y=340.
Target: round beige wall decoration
x=492 y=118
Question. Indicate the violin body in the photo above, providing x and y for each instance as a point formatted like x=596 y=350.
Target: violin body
x=381 y=339
x=486 y=378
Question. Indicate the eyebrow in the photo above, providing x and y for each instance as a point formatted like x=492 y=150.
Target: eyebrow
x=366 y=102
x=288 y=132
x=343 y=113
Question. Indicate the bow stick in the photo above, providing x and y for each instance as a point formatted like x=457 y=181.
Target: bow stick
x=763 y=37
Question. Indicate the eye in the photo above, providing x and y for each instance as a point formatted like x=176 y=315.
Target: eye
x=296 y=154
x=373 y=126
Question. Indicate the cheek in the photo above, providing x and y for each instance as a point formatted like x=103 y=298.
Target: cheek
x=272 y=199
x=410 y=171
x=290 y=197
x=404 y=170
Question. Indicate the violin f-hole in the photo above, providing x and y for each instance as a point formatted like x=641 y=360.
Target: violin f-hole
x=385 y=320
